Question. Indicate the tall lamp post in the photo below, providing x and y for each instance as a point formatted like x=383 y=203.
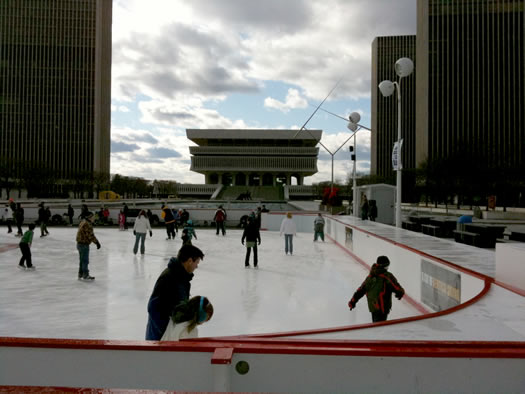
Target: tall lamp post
x=404 y=68
x=353 y=125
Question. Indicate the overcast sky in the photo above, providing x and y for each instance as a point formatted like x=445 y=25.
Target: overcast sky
x=241 y=64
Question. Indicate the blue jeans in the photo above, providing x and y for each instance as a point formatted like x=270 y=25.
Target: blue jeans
x=142 y=238
x=288 y=243
x=83 y=252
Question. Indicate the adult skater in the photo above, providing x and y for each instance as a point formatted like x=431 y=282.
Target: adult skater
x=6 y=217
x=186 y=317
x=364 y=208
x=19 y=219
x=70 y=213
x=289 y=230
x=85 y=236
x=253 y=237
x=140 y=228
x=378 y=287
x=219 y=219
x=319 y=227
x=25 y=248
x=42 y=219
x=125 y=210
x=169 y=220
x=172 y=287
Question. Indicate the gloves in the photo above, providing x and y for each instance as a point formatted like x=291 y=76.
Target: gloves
x=98 y=245
x=150 y=233
x=399 y=296
x=351 y=304
x=259 y=242
x=242 y=241
x=134 y=232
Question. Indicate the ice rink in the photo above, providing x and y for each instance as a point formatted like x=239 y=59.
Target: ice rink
x=308 y=290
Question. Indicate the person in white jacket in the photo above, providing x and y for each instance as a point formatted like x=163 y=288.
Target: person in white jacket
x=140 y=229
x=289 y=230
x=186 y=317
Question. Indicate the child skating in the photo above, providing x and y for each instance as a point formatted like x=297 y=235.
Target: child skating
x=186 y=317
x=25 y=247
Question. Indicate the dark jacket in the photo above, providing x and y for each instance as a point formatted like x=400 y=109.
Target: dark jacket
x=172 y=287
x=168 y=215
x=378 y=287
x=251 y=233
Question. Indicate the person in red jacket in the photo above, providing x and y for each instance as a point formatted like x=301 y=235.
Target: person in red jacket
x=378 y=287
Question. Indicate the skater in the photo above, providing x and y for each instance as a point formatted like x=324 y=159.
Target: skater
x=184 y=217
x=186 y=317
x=19 y=219
x=372 y=214
x=6 y=217
x=189 y=231
x=140 y=228
x=258 y=217
x=85 y=236
x=11 y=220
x=42 y=219
x=121 y=220
x=125 y=211
x=319 y=227
x=219 y=219
x=70 y=214
x=289 y=230
x=186 y=240
x=253 y=238
x=172 y=287
x=364 y=208
x=378 y=287
x=83 y=212
x=169 y=220
x=25 y=248
x=264 y=209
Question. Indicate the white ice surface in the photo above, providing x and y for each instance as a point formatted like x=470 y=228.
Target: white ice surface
x=308 y=290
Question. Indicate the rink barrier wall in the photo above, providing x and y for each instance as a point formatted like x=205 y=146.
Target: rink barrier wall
x=271 y=365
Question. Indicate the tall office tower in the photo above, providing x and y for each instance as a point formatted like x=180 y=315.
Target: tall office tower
x=385 y=52
x=470 y=85
x=55 y=85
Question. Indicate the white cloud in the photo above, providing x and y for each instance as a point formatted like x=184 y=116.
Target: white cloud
x=293 y=100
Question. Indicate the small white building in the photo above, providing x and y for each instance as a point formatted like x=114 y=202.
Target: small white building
x=385 y=198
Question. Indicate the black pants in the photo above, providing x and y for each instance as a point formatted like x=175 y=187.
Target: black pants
x=220 y=225
x=19 y=227
x=170 y=230
x=26 y=255
x=379 y=316
x=9 y=229
x=247 y=260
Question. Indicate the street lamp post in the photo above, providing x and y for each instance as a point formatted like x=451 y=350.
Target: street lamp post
x=404 y=68
x=353 y=125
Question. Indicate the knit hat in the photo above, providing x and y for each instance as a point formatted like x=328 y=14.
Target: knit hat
x=383 y=261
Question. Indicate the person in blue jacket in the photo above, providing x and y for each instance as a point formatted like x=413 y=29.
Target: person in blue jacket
x=172 y=287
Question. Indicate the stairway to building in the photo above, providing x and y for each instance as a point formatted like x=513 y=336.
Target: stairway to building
x=254 y=192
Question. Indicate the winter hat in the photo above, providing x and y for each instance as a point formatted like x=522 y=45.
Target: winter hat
x=383 y=261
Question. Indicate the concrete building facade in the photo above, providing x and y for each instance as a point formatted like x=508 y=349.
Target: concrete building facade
x=470 y=84
x=254 y=157
x=55 y=85
x=385 y=52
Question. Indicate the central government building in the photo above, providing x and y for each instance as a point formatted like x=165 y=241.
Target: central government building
x=254 y=157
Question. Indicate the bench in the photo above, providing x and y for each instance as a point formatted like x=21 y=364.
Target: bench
x=474 y=239
x=517 y=236
x=412 y=226
x=430 y=229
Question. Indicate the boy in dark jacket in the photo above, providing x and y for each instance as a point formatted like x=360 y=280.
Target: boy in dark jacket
x=253 y=237
x=378 y=287
x=172 y=287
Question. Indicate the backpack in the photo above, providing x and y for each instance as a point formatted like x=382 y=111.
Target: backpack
x=219 y=215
